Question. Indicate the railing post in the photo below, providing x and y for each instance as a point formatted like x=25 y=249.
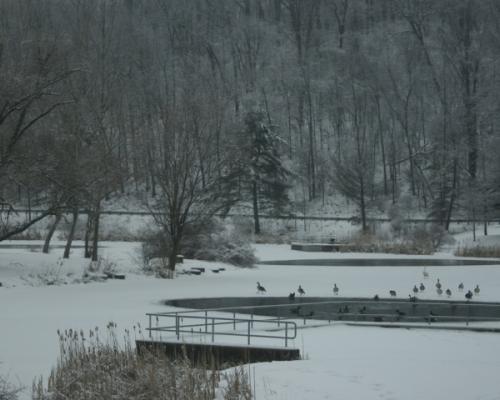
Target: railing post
x=286 y=334
x=206 y=321
x=234 y=321
x=177 y=333
x=278 y=320
x=248 y=334
x=251 y=318
x=213 y=330
x=150 y=334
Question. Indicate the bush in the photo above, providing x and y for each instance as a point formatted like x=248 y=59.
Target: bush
x=218 y=242
x=154 y=247
x=89 y=368
x=210 y=241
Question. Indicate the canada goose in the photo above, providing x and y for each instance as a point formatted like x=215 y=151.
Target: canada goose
x=448 y=292
x=422 y=287
x=468 y=295
x=415 y=289
x=392 y=293
x=291 y=296
x=301 y=291
x=461 y=286
x=477 y=290
x=438 y=284
x=260 y=288
x=335 y=289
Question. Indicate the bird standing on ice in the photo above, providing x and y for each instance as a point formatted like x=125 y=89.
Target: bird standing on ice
x=260 y=288
x=335 y=289
x=301 y=291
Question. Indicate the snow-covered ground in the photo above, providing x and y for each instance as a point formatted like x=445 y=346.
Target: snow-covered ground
x=341 y=362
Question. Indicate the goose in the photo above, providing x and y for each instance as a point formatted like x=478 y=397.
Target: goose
x=301 y=291
x=392 y=293
x=448 y=292
x=260 y=288
x=415 y=289
x=468 y=295
x=439 y=291
x=477 y=290
x=461 y=286
x=422 y=287
x=438 y=284
x=291 y=296
x=335 y=289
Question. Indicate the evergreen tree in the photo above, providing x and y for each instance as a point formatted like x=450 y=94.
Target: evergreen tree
x=258 y=173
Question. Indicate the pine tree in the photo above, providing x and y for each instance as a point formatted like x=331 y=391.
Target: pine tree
x=258 y=173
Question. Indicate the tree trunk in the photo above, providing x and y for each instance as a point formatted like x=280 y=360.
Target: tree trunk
x=95 y=239
x=452 y=196
x=51 y=233
x=362 y=205
x=88 y=229
x=255 y=200
x=71 y=234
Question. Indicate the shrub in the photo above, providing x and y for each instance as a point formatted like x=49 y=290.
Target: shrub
x=89 y=368
x=154 y=247
x=218 y=242
x=210 y=241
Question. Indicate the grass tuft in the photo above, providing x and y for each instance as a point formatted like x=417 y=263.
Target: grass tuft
x=94 y=367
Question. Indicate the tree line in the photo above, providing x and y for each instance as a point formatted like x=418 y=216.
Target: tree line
x=201 y=106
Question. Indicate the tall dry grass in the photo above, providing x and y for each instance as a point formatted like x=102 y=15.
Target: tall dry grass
x=92 y=367
x=478 y=251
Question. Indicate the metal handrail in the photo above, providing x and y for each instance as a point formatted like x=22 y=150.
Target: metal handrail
x=289 y=327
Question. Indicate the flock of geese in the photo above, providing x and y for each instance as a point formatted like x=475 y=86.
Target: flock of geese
x=439 y=288
x=416 y=290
